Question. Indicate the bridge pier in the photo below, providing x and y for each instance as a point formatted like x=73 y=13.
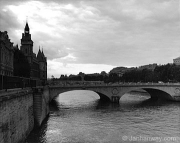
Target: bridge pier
x=115 y=99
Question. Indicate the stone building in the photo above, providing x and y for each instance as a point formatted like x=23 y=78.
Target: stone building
x=149 y=67
x=176 y=61
x=6 y=54
x=38 y=64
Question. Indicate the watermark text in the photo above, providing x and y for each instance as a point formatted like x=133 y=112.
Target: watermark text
x=150 y=139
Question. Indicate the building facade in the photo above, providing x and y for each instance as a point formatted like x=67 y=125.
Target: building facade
x=6 y=54
x=38 y=64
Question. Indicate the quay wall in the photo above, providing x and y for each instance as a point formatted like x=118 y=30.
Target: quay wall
x=16 y=115
x=41 y=104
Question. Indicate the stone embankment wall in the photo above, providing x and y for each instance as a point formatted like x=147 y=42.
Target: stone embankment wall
x=41 y=104
x=16 y=115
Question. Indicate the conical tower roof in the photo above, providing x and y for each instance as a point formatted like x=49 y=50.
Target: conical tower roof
x=27 y=27
x=41 y=56
x=43 y=53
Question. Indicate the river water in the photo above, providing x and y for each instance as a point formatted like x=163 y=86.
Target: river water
x=80 y=117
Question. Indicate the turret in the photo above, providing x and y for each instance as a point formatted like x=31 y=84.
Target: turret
x=26 y=29
x=42 y=66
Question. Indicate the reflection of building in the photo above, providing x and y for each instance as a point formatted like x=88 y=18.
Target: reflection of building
x=176 y=61
x=6 y=54
x=38 y=64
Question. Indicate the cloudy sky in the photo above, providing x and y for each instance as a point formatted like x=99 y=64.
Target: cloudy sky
x=96 y=35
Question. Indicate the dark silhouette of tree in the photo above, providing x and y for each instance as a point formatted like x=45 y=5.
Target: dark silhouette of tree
x=113 y=77
x=21 y=64
x=97 y=77
x=164 y=73
x=75 y=78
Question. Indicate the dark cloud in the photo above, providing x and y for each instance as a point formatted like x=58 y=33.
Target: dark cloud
x=129 y=32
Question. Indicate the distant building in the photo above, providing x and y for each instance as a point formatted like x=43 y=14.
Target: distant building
x=176 y=61
x=6 y=54
x=103 y=73
x=38 y=64
x=149 y=67
x=121 y=70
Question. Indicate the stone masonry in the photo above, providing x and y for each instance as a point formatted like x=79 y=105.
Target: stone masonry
x=16 y=116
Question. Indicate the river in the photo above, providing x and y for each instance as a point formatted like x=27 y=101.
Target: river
x=80 y=117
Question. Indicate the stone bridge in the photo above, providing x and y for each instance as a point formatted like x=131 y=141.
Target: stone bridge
x=24 y=109
x=114 y=92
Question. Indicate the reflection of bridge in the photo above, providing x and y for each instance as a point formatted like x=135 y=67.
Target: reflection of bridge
x=113 y=93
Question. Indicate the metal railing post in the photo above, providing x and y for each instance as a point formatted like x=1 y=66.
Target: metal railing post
x=2 y=83
x=5 y=83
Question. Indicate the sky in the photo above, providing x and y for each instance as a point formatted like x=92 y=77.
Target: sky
x=91 y=36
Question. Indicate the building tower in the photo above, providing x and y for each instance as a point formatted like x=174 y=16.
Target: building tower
x=27 y=44
x=38 y=64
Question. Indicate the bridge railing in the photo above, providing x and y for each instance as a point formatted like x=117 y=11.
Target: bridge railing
x=117 y=84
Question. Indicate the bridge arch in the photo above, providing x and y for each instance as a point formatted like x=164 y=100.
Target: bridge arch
x=158 y=93
x=154 y=92
x=55 y=92
x=103 y=97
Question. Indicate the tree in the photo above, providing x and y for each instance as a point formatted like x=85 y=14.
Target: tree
x=113 y=77
x=21 y=64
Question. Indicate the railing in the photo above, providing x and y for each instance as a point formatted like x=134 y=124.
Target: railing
x=11 y=82
x=115 y=84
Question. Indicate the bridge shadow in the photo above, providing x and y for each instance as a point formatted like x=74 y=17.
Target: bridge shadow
x=145 y=100
x=56 y=109
x=54 y=105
